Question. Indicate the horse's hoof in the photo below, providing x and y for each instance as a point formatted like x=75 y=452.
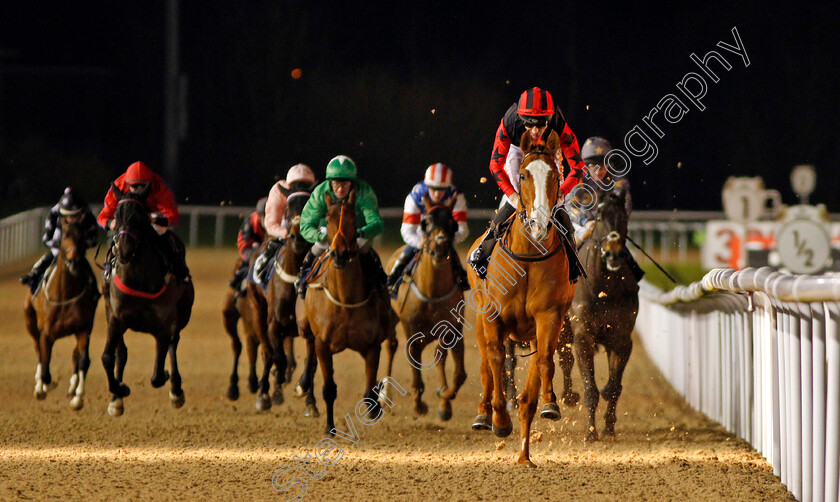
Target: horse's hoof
x=53 y=384
x=512 y=405
x=311 y=411
x=503 y=433
x=445 y=413
x=591 y=437
x=233 y=393
x=253 y=385
x=277 y=397
x=525 y=462
x=263 y=402
x=158 y=383
x=421 y=408
x=481 y=423
x=40 y=392
x=77 y=402
x=330 y=430
x=299 y=392
x=177 y=400
x=115 y=408
x=550 y=411
x=571 y=398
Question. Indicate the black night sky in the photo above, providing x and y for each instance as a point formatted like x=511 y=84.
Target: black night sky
x=398 y=86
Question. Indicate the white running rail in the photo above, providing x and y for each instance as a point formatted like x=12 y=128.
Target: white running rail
x=759 y=352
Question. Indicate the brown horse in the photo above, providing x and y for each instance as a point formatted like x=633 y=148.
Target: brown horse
x=603 y=313
x=342 y=310
x=269 y=317
x=141 y=295
x=525 y=297
x=64 y=304
x=423 y=305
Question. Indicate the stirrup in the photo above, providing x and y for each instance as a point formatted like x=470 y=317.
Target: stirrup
x=479 y=262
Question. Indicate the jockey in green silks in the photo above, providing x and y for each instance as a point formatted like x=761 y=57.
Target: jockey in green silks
x=341 y=178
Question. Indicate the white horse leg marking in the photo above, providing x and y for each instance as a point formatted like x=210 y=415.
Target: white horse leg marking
x=78 y=400
x=74 y=381
x=40 y=388
x=539 y=172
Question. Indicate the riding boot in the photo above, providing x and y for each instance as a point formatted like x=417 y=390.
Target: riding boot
x=399 y=266
x=33 y=278
x=177 y=256
x=305 y=268
x=638 y=273
x=480 y=258
x=238 y=277
x=372 y=267
x=561 y=218
x=263 y=259
x=458 y=270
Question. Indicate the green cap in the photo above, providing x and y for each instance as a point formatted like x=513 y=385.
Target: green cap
x=341 y=167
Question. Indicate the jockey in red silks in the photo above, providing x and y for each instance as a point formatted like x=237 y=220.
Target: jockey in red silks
x=250 y=237
x=162 y=210
x=437 y=186
x=536 y=115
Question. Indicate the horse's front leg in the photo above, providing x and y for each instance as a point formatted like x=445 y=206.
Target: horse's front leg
x=584 y=345
x=176 y=393
x=528 y=407
x=276 y=337
x=230 y=317
x=330 y=390
x=566 y=358
x=82 y=364
x=160 y=376
x=289 y=350
x=495 y=353
x=548 y=335
x=618 y=358
x=482 y=420
x=43 y=378
x=119 y=390
x=306 y=383
x=415 y=353
x=510 y=375
x=373 y=409
x=391 y=345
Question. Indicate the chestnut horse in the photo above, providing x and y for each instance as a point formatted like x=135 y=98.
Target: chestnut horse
x=141 y=295
x=525 y=297
x=268 y=318
x=63 y=305
x=423 y=305
x=343 y=310
x=603 y=313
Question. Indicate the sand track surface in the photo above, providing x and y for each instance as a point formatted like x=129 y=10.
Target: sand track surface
x=216 y=449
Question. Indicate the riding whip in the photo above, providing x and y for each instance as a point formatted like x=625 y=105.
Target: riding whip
x=651 y=259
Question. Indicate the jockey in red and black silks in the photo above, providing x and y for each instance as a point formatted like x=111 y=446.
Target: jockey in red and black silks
x=534 y=114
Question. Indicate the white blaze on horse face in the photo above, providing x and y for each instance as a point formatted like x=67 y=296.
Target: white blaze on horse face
x=539 y=174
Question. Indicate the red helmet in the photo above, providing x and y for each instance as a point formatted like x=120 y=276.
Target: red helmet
x=535 y=102
x=138 y=174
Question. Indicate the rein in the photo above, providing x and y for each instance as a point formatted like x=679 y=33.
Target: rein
x=531 y=257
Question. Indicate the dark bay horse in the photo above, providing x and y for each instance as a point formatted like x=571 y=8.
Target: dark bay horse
x=269 y=316
x=64 y=305
x=423 y=305
x=525 y=297
x=343 y=310
x=604 y=312
x=141 y=295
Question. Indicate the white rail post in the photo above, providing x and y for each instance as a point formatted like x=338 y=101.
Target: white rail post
x=806 y=419
x=818 y=389
x=832 y=415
